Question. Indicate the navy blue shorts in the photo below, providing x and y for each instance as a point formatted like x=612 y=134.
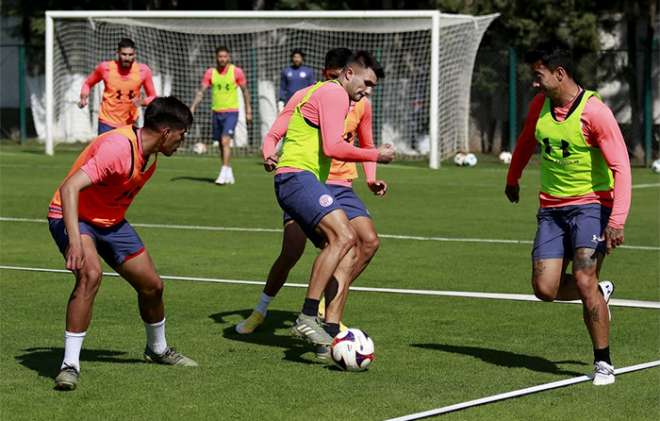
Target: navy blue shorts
x=564 y=229
x=224 y=124
x=115 y=244
x=306 y=199
x=104 y=128
x=348 y=201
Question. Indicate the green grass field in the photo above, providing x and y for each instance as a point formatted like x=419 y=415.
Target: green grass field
x=431 y=351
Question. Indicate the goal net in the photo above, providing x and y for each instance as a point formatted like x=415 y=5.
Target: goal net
x=422 y=105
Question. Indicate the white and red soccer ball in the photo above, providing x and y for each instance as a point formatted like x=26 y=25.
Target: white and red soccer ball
x=352 y=350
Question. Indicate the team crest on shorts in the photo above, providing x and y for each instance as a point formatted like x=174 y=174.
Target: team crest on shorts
x=325 y=200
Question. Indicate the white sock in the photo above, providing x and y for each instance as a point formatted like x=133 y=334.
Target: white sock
x=156 y=337
x=72 y=345
x=262 y=307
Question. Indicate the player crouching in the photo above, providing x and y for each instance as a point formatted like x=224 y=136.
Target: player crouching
x=86 y=220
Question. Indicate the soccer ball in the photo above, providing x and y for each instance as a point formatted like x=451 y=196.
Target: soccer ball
x=352 y=350
x=470 y=160
x=505 y=157
x=199 y=148
x=459 y=159
x=655 y=167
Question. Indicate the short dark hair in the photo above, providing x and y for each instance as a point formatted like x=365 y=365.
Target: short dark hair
x=366 y=60
x=297 y=51
x=337 y=58
x=167 y=112
x=125 y=43
x=553 y=54
x=222 y=48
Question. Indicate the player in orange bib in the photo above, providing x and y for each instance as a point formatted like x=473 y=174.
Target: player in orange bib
x=86 y=220
x=123 y=80
x=357 y=125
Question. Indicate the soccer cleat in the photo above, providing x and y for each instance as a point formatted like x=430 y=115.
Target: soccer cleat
x=229 y=176
x=222 y=177
x=323 y=352
x=169 y=357
x=67 y=379
x=250 y=324
x=309 y=328
x=607 y=289
x=603 y=374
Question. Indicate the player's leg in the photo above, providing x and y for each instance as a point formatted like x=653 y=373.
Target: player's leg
x=140 y=272
x=293 y=246
x=217 y=122
x=341 y=240
x=81 y=301
x=123 y=249
x=368 y=244
x=228 y=132
x=589 y=222
x=550 y=254
x=313 y=206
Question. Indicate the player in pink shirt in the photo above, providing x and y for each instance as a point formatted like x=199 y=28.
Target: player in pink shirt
x=585 y=192
x=315 y=136
x=123 y=79
x=86 y=220
x=340 y=184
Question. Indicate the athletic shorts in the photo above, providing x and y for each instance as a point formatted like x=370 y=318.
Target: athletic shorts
x=348 y=201
x=116 y=244
x=224 y=124
x=564 y=229
x=302 y=196
x=104 y=128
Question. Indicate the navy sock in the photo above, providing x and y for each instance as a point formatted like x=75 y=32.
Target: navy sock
x=602 y=355
x=311 y=307
x=331 y=329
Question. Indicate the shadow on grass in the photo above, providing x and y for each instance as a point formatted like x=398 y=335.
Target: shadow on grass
x=188 y=178
x=46 y=361
x=506 y=358
x=294 y=348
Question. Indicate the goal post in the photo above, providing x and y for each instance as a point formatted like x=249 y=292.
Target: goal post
x=422 y=105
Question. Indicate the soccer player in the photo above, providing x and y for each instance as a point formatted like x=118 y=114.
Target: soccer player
x=294 y=78
x=86 y=220
x=224 y=80
x=314 y=137
x=342 y=174
x=585 y=192
x=122 y=79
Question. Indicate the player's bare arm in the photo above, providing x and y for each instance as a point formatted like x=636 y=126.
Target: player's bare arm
x=248 y=104
x=613 y=237
x=198 y=98
x=70 y=192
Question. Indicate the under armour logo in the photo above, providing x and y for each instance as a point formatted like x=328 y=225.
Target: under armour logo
x=597 y=239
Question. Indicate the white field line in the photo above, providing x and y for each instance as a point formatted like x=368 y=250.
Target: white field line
x=391 y=236
x=462 y=294
x=645 y=186
x=517 y=393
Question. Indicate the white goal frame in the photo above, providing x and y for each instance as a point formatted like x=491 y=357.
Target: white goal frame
x=433 y=15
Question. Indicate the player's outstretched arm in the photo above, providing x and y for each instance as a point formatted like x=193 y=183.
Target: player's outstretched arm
x=522 y=153
x=198 y=97
x=95 y=77
x=69 y=193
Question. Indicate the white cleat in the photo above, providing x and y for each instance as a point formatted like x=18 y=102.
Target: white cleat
x=229 y=176
x=222 y=177
x=603 y=374
x=607 y=289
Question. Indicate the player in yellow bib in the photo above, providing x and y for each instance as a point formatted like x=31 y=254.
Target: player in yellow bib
x=584 y=197
x=224 y=80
